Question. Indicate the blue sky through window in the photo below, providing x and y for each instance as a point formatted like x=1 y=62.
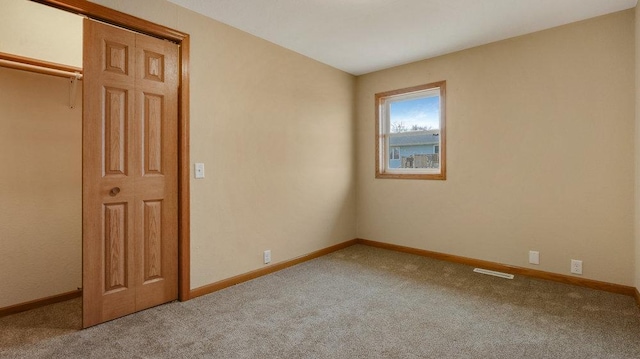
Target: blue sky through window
x=421 y=112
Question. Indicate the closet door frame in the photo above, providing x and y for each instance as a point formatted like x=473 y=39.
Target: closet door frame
x=105 y=14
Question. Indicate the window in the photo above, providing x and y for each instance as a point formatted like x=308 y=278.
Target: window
x=394 y=153
x=410 y=132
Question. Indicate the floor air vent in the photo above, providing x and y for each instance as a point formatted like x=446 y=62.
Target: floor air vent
x=493 y=273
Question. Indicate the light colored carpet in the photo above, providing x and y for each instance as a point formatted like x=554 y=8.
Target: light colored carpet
x=360 y=302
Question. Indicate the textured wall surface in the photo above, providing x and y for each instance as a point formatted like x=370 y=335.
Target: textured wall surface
x=40 y=32
x=40 y=187
x=540 y=153
x=275 y=131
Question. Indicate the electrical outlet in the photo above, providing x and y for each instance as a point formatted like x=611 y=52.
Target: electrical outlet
x=267 y=256
x=576 y=266
x=534 y=257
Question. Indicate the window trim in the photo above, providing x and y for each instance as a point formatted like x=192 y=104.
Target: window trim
x=382 y=146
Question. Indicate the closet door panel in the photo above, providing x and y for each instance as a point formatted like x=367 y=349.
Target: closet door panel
x=152 y=133
x=130 y=188
x=115 y=131
x=108 y=274
x=157 y=186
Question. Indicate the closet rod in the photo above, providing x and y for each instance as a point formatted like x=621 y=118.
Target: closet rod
x=39 y=66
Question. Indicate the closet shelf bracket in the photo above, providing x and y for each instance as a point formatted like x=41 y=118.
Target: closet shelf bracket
x=47 y=68
x=73 y=88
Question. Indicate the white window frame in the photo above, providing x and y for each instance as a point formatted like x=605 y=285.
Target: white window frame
x=383 y=130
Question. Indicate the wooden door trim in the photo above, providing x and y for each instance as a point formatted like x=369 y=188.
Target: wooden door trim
x=114 y=17
x=184 y=208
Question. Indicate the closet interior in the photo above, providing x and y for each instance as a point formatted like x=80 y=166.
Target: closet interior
x=40 y=153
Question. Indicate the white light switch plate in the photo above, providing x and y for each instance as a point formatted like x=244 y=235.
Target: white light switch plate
x=199 y=170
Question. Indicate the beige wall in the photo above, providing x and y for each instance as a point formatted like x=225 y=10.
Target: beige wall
x=41 y=32
x=540 y=146
x=40 y=187
x=275 y=131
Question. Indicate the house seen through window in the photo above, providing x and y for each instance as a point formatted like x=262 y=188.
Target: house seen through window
x=410 y=132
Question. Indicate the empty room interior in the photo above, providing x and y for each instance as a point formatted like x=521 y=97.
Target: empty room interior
x=257 y=168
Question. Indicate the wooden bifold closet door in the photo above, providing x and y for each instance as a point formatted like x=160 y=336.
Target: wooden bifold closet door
x=129 y=157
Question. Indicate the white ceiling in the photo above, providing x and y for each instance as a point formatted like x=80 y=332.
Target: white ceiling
x=361 y=36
